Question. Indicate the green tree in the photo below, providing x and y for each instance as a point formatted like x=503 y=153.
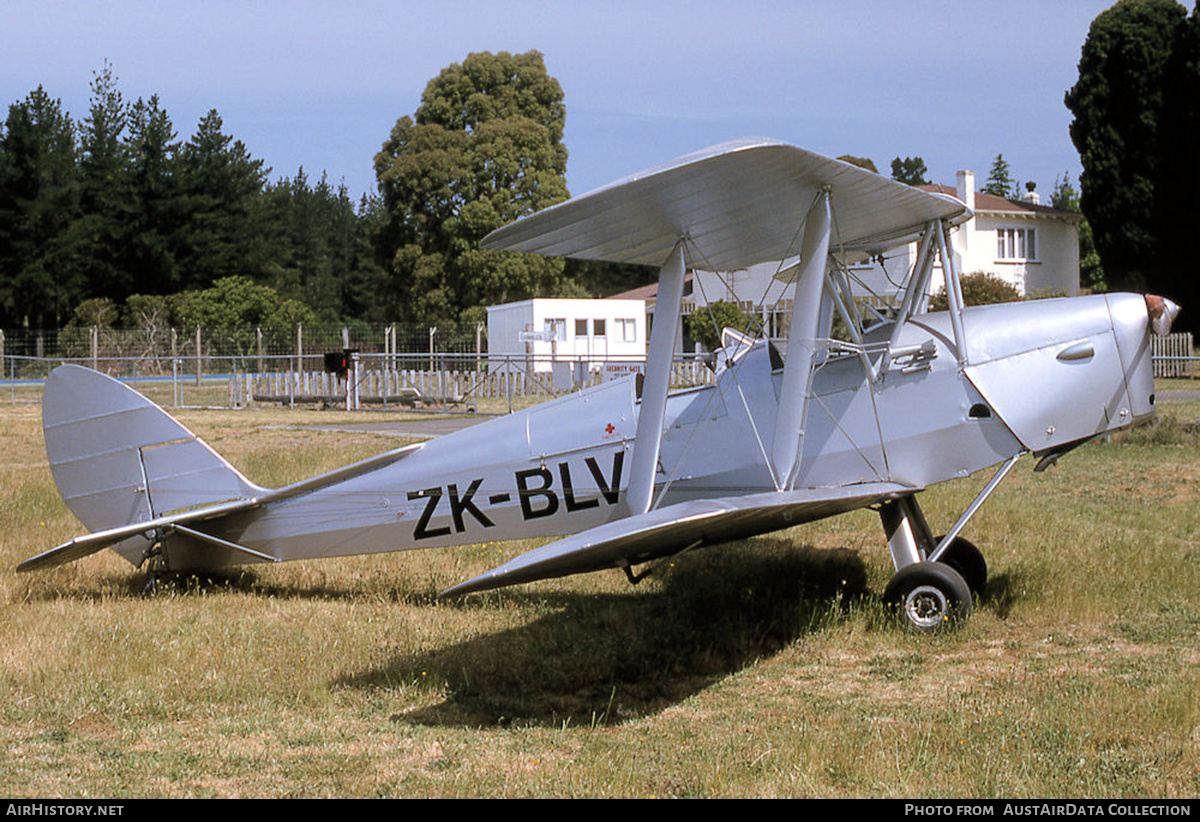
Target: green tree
x=39 y=197
x=597 y=278
x=485 y=148
x=221 y=186
x=910 y=170
x=97 y=311
x=238 y=302
x=320 y=249
x=1118 y=104
x=1177 y=191
x=102 y=226
x=705 y=324
x=236 y=306
x=978 y=288
x=1000 y=181
x=365 y=278
x=150 y=253
x=861 y=162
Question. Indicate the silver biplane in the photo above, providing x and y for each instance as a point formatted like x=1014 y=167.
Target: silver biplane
x=631 y=472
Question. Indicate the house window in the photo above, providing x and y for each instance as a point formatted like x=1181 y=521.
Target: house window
x=628 y=330
x=557 y=327
x=1016 y=244
x=581 y=328
x=598 y=328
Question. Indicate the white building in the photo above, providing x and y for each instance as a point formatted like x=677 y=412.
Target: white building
x=540 y=332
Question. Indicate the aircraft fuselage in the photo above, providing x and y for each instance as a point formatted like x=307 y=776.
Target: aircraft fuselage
x=1036 y=376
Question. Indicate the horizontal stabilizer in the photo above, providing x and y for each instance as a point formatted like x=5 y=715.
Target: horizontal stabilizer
x=667 y=531
x=70 y=551
x=88 y=544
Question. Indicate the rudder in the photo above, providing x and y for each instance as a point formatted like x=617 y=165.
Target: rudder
x=118 y=459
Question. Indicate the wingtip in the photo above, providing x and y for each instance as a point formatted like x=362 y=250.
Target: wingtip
x=483 y=582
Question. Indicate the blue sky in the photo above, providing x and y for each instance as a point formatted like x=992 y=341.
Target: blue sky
x=320 y=84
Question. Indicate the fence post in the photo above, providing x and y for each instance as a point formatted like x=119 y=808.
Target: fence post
x=1 y=354
x=357 y=375
x=299 y=349
x=95 y=335
x=259 y=341
x=198 y=363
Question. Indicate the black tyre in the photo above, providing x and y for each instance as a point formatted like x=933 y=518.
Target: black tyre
x=929 y=597
x=964 y=557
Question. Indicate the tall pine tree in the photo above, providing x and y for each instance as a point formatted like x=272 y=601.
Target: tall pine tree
x=40 y=279
x=220 y=185
x=102 y=227
x=157 y=218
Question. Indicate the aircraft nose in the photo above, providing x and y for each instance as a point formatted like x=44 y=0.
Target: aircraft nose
x=1162 y=314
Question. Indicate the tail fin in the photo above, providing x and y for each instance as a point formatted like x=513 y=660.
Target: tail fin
x=119 y=459
x=136 y=477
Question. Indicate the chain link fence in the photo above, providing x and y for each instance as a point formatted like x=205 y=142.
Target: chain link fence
x=445 y=367
x=351 y=366
x=155 y=346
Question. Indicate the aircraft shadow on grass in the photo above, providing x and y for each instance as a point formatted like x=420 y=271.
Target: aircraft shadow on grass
x=605 y=658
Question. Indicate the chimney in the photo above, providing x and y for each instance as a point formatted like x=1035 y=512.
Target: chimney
x=965 y=184
x=1031 y=196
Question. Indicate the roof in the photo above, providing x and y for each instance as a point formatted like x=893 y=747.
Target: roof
x=985 y=202
x=650 y=290
x=736 y=204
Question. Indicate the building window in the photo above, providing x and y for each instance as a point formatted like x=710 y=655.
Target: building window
x=557 y=327
x=598 y=328
x=1016 y=244
x=628 y=330
x=581 y=328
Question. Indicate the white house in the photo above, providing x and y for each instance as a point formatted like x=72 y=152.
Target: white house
x=539 y=332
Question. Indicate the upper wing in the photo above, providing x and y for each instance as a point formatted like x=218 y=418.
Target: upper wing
x=737 y=204
x=669 y=530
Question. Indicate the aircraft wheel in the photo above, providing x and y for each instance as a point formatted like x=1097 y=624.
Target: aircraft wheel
x=930 y=596
x=964 y=557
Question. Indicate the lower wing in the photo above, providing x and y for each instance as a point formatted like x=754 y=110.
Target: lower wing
x=666 y=531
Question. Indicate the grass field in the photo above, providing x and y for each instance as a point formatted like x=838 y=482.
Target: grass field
x=762 y=668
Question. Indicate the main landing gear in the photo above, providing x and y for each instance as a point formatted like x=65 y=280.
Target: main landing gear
x=932 y=590
x=935 y=578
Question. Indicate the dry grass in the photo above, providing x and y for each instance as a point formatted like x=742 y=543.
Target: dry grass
x=765 y=668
